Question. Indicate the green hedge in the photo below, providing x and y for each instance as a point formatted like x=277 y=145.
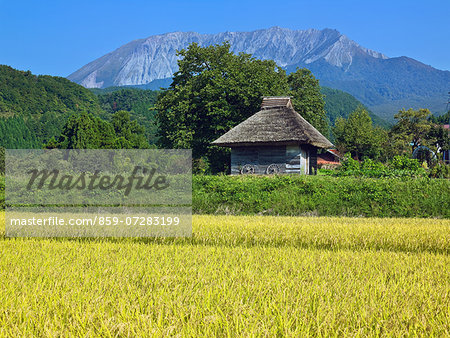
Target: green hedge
x=322 y=196
x=317 y=195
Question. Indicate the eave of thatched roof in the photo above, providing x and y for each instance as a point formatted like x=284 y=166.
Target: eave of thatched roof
x=273 y=125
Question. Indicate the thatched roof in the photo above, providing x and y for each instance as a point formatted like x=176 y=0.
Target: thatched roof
x=276 y=101
x=276 y=123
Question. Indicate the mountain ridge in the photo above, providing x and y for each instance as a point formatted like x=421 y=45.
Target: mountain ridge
x=256 y=43
x=337 y=61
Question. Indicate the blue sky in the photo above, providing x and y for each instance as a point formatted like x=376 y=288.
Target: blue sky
x=58 y=37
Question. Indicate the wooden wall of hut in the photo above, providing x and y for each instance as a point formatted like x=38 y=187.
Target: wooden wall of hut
x=263 y=160
x=312 y=151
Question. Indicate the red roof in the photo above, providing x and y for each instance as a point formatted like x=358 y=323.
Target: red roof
x=329 y=157
x=322 y=161
x=335 y=151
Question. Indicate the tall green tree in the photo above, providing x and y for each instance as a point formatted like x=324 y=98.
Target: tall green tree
x=213 y=91
x=438 y=139
x=85 y=131
x=307 y=98
x=358 y=136
x=130 y=133
x=411 y=130
x=442 y=119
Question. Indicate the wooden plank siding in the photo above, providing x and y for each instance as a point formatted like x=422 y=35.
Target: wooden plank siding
x=288 y=159
x=261 y=157
x=293 y=159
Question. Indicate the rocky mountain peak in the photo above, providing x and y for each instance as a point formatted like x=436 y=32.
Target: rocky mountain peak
x=383 y=84
x=144 y=60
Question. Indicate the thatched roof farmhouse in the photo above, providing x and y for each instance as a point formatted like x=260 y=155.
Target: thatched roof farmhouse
x=274 y=140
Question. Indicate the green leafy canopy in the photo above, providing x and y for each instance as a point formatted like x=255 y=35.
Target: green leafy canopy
x=215 y=89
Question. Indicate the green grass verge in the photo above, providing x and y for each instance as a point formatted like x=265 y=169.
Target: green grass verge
x=250 y=275
x=317 y=196
x=323 y=196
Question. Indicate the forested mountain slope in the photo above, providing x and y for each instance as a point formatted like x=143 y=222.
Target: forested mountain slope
x=33 y=108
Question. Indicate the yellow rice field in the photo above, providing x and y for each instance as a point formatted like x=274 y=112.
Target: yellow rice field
x=253 y=275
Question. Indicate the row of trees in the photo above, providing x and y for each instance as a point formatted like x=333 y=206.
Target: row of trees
x=86 y=131
x=413 y=128
x=138 y=102
x=214 y=90
x=15 y=133
x=25 y=94
x=33 y=109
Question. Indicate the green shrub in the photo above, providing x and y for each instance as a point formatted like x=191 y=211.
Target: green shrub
x=321 y=195
x=440 y=170
x=201 y=166
x=401 y=166
x=317 y=195
x=349 y=164
x=369 y=164
x=405 y=163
